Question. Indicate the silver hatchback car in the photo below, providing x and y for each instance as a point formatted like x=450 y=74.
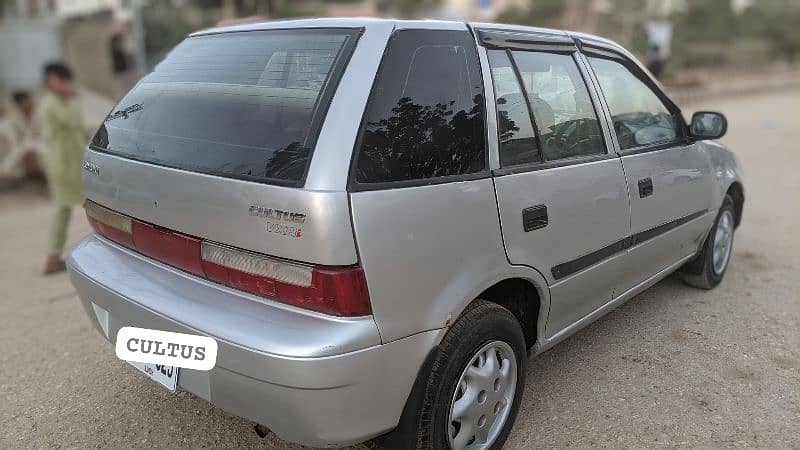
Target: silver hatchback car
x=379 y=220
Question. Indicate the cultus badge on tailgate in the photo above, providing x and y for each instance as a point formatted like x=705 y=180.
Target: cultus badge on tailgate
x=276 y=214
x=276 y=221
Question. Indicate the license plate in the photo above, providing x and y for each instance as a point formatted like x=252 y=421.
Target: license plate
x=166 y=376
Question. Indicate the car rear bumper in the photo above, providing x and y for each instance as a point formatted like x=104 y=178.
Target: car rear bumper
x=312 y=379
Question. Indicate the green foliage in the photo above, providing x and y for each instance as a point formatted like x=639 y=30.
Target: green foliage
x=164 y=27
x=409 y=9
x=777 y=21
x=541 y=13
x=708 y=33
x=298 y=9
x=711 y=34
x=707 y=21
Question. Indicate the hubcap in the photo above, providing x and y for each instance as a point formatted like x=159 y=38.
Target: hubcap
x=483 y=397
x=723 y=242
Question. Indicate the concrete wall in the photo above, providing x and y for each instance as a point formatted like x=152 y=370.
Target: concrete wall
x=25 y=46
x=87 y=49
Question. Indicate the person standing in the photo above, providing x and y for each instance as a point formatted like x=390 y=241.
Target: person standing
x=65 y=138
x=655 y=63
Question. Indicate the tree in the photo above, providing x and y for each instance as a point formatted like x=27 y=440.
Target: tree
x=777 y=21
x=164 y=27
x=408 y=9
x=541 y=13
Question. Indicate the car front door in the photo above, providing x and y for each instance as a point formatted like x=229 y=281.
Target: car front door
x=669 y=177
x=561 y=192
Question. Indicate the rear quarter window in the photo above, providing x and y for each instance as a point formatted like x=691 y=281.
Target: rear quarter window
x=243 y=105
x=425 y=117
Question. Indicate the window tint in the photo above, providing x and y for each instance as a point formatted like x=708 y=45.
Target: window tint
x=640 y=117
x=425 y=116
x=514 y=129
x=245 y=105
x=562 y=109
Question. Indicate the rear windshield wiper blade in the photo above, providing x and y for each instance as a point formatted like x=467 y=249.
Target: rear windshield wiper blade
x=124 y=112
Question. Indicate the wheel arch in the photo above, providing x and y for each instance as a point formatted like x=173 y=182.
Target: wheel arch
x=522 y=298
x=736 y=192
x=521 y=289
x=727 y=173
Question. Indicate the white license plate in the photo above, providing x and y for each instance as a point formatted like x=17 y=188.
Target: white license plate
x=166 y=376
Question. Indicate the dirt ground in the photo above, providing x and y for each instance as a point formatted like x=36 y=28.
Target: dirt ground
x=674 y=367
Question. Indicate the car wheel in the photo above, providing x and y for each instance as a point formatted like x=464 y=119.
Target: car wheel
x=707 y=270
x=471 y=394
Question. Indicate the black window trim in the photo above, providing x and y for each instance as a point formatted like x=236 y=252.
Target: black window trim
x=328 y=90
x=591 y=49
x=497 y=39
x=608 y=152
x=353 y=185
x=552 y=164
x=521 y=85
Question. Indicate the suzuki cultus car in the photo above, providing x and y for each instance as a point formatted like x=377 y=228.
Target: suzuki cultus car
x=379 y=221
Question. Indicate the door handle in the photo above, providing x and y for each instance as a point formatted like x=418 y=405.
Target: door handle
x=534 y=217
x=645 y=187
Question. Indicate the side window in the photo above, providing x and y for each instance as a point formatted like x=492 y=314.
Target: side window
x=517 y=138
x=640 y=117
x=562 y=108
x=425 y=116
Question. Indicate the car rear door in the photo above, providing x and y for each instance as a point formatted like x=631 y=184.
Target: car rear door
x=216 y=142
x=421 y=193
x=669 y=177
x=561 y=190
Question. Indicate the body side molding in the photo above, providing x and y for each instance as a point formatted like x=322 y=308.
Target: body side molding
x=568 y=268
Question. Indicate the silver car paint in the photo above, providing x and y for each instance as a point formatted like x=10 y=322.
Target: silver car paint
x=330 y=163
x=725 y=168
x=588 y=209
x=682 y=183
x=682 y=179
x=427 y=252
x=334 y=382
x=219 y=311
x=587 y=206
x=189 y=202
x=217 y=209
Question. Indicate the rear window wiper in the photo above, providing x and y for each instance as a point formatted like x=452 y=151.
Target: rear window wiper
x=124 y=112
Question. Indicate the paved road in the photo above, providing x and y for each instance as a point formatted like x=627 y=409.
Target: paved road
x=673 y=367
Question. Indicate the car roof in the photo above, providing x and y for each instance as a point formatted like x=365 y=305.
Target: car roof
x=337 y=22
x=352 y=22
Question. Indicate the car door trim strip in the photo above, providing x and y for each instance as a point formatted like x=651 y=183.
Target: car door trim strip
x=568 y=268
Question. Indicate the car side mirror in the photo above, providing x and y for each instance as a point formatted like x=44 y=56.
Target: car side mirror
x=708 y=125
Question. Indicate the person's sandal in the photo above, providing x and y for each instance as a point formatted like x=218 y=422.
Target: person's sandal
x=53 y=265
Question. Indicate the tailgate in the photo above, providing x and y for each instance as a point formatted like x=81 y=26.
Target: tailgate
x=250 y=215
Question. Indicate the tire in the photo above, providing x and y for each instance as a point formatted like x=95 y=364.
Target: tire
x=706 y=272
x=426 y=419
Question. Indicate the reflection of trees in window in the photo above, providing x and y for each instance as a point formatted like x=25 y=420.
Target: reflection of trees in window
x=508 y=128
x=517 y=141
x=100 y=138
x=288 y=163
x=418 y=141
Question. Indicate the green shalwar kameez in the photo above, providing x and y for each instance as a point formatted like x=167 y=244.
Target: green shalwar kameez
x=65 y=139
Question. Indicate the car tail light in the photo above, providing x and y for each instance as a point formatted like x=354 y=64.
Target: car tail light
x=173 y=248
x=340 y=291
x=115 y=226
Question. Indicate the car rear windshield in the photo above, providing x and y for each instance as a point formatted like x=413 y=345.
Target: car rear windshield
x=243 y=105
